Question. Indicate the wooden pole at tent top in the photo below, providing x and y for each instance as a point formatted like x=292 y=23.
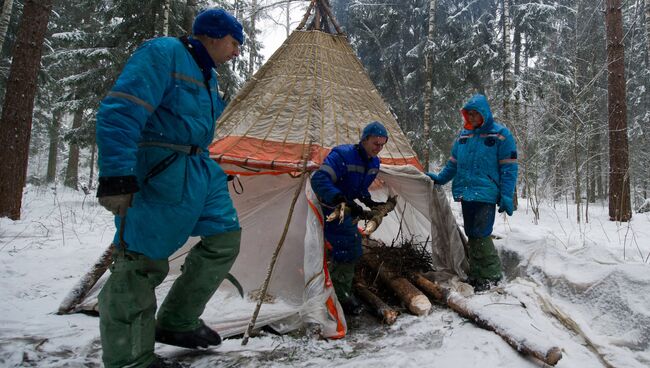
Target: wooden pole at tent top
x=274 y=258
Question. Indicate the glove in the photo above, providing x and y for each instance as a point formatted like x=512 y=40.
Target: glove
x=505 y=204
x=118 y=204
x=433 y=177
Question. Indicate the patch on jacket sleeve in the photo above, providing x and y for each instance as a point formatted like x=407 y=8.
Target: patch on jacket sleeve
x=513 y=155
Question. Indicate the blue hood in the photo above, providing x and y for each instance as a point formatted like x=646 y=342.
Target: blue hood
x=478 y=103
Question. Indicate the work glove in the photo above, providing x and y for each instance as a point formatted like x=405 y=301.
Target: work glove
x=505 y=204
x=433 y=177
x=118 y=204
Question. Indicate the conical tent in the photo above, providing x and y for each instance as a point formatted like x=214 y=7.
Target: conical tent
x=310 y=96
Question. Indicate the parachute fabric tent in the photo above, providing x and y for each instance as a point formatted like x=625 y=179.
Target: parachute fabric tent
x=311 y=95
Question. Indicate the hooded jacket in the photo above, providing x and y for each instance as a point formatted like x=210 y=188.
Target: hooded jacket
x=161 y=96
x=483 y=162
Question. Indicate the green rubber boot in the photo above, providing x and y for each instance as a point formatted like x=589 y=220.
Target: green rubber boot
x=342 y=275
x=127 y=306
x=205 y=267
x=484 y=262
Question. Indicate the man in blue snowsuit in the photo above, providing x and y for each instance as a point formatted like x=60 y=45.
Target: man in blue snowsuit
x=153 y=132
x=483 y=165
x=345 y=175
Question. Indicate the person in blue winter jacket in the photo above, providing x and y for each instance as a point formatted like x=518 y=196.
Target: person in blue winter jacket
x=345 y=175
x=483 y=166
x=153 y=132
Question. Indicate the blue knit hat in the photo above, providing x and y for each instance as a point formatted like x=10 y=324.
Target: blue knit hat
x=375 y=128
x=217 y=23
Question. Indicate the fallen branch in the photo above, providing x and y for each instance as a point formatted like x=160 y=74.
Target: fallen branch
x=83 y=286
x=387 y=314
x=459 y=304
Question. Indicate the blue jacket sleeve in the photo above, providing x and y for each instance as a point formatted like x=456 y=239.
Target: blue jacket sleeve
x=324 y=179
x=123 y=113
x=449 y=171
x=508 y=166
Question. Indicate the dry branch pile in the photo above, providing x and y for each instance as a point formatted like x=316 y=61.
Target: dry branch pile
x=401 y=275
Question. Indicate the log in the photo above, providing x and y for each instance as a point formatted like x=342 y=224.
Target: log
x=458 y=304
x=83 y=286
x=387 y=314
x=416 y=302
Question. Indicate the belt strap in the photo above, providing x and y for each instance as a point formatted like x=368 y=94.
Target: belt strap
x=186 y=149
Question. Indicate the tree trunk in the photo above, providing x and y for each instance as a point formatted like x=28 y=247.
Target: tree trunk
x=620 y=208
x=16 y=121
x=287 y=24
x=647 y=26
x=5 y=17
x=91 y=176
x=165 y=17
x=251 y=43
x=428 y=86
x=54 y=147
x=72 y=171
x=507 y=62
x=188 y=16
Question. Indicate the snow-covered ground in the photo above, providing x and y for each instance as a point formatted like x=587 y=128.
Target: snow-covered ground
x=584 y=288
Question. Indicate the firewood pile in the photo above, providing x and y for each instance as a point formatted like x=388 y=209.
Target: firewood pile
x=383 y=278
x=396 y=277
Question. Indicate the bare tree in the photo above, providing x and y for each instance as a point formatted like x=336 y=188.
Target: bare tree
x=188 y=16
x=5 y=17
x=16 y=121
x=428 y=72
x=54 y=146
x=165 y=17
x=647 y=24
x=252 y=52
x=72 y=170
x=507 y=76
x=620 y=208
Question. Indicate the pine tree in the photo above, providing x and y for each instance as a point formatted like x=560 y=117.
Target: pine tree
x=16 y=121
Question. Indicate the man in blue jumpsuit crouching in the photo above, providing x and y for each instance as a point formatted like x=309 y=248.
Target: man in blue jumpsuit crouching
x=346 y=175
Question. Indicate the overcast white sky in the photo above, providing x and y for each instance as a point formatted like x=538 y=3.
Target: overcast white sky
x=273 y=30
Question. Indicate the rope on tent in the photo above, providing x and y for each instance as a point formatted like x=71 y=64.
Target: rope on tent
x=274 y=258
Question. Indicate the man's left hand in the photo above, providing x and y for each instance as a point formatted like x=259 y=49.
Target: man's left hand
x=506 y=205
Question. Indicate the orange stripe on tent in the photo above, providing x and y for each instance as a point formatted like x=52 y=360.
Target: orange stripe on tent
x=259 y=153
x=331 y=307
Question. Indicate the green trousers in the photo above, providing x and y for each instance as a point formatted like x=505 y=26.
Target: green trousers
x=484 y=262
x=127 y=302
x=342 y=274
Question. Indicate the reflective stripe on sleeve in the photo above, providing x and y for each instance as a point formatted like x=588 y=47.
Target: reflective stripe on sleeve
x=508 y=161
x=132 y=98
x=330 y=171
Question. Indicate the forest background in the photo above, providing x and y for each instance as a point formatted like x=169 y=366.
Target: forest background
x=543 y=65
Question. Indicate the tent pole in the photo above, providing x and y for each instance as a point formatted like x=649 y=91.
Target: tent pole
x=274 y=258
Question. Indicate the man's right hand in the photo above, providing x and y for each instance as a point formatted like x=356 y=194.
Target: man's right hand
x=433 y=177
x=118 y=204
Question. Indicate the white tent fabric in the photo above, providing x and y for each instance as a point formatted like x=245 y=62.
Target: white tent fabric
x=299 y=292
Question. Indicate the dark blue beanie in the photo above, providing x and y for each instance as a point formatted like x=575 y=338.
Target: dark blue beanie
x=217 y=23
x=375 y=128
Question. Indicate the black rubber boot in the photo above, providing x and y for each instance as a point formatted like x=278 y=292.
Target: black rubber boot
x=352 y=306
x=483 y=284
x=201 y=337
x=164 y=363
